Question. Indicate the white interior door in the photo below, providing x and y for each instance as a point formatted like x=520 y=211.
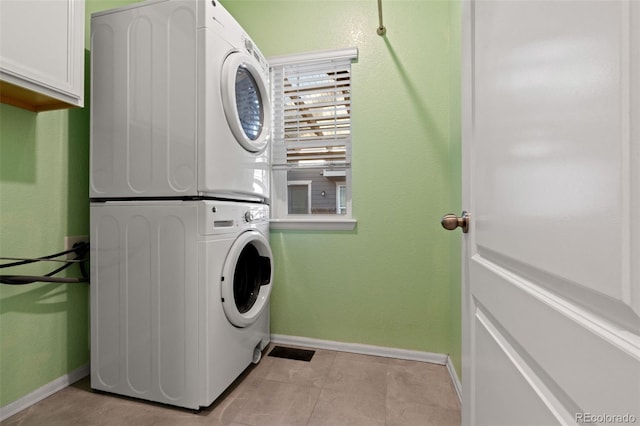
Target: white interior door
x=551 y=141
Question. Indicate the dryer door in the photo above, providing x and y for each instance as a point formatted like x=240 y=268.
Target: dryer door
x=246 y=101
x=246 y=279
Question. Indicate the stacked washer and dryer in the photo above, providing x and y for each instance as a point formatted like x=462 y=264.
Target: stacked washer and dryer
x=181 y=268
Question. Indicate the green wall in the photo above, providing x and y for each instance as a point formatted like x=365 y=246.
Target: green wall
x=44 y=328
x=393 y=282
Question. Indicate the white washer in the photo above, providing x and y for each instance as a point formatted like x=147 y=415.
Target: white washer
x=179 y=297
x=179 y=104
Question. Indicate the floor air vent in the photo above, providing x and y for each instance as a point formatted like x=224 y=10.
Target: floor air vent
x=292 y=353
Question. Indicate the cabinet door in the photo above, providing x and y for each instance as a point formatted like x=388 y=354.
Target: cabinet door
x=42 y=53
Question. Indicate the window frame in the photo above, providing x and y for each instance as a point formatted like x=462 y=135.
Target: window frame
x=280 y=218
x=339 y=184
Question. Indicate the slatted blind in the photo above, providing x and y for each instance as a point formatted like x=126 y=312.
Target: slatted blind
x=312 y=113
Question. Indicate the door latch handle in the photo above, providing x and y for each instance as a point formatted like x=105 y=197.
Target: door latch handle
x=451 y=221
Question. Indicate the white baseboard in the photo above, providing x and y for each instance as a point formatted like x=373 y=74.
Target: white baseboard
x=433 y=358
x=43 y=392
x=358 y=348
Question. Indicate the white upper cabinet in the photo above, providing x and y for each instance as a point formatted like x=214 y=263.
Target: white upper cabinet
x=42 y=53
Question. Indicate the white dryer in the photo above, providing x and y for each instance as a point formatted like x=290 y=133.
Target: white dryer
x=179 y=104
x=179 y=297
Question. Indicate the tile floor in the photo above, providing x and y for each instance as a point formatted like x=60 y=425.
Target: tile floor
x=333 y=389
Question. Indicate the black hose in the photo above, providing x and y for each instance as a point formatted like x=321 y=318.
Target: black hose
x=29 y=279
x=81 y=249
x=38 y=259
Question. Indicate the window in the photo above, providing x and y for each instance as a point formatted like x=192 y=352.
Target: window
x=299 y=196
x=311 y=147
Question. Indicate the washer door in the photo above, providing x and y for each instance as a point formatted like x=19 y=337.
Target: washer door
x=246 y=102
x=246 y=279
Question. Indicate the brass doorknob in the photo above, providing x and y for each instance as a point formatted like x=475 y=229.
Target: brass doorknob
x=451 y=221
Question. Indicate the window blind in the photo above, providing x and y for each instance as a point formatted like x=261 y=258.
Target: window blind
x=312 y=113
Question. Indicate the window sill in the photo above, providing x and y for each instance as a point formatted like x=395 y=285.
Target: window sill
x=313 y=224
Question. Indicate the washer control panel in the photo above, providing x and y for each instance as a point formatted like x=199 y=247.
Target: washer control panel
x=256 y=214
x=223 y=217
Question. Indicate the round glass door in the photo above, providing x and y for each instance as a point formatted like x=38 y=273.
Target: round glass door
x=246 y=279
x=245 y=101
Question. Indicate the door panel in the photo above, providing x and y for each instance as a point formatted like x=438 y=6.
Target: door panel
x=567 y=347
x=551 y=158
x=549 y=138
x=500 y=368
